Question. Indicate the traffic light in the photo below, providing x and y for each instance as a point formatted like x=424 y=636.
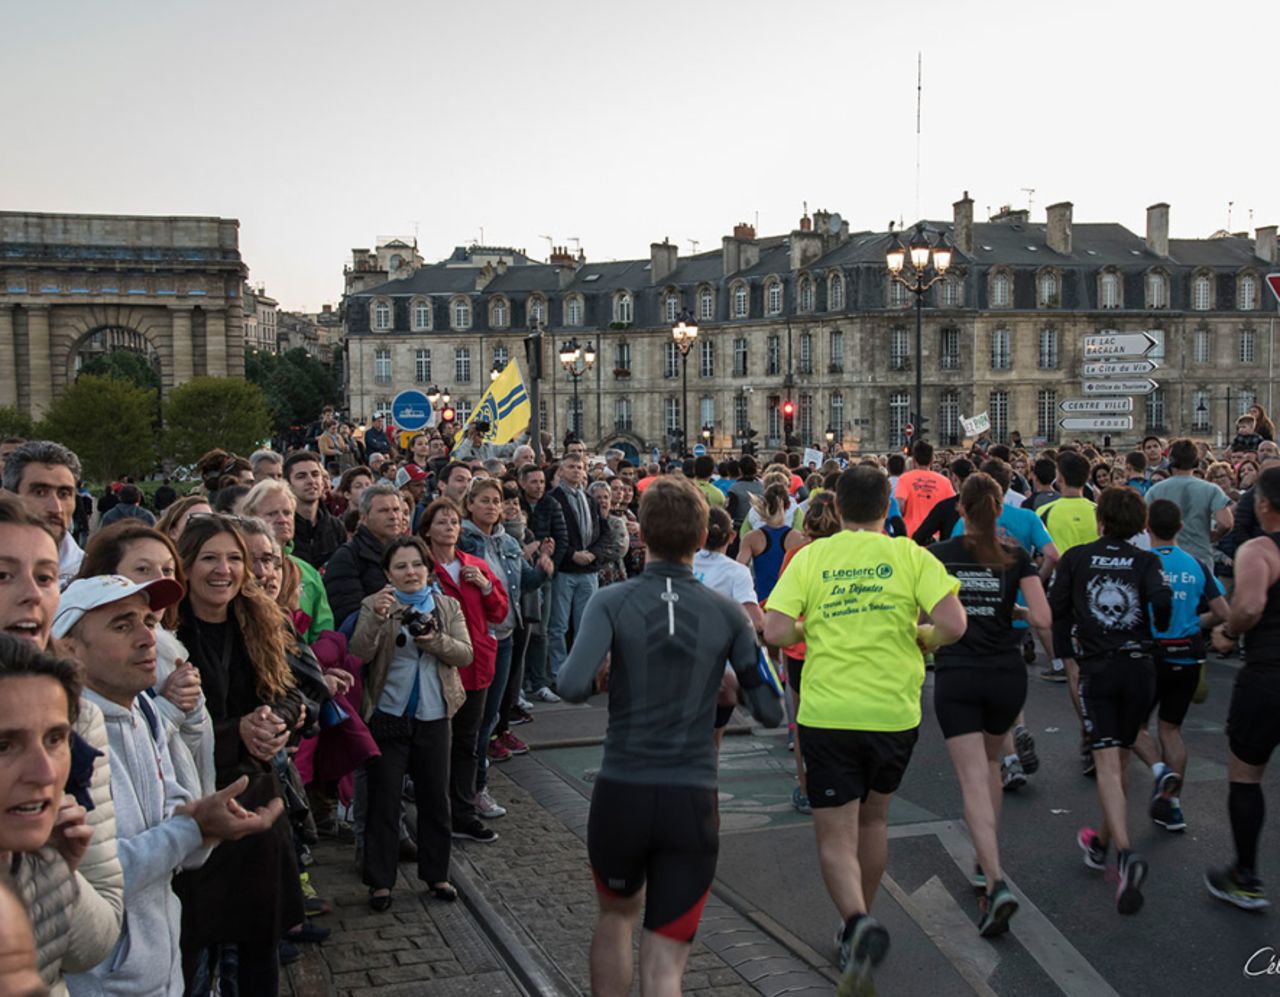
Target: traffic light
x=788 y=418
x=448 y=414
x=749 y=442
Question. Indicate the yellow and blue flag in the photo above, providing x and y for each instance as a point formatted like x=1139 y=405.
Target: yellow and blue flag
x=505 y=406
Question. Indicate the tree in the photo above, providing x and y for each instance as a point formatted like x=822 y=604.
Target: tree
x=109 y=423
x=209 y=412
x=14 y=423
x=296 y=385
x=124 y=365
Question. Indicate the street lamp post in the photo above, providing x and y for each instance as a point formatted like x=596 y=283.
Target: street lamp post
x=707 y=432
x=921 y=249
x=685 y=334
x=577 y=360
x=831 y=440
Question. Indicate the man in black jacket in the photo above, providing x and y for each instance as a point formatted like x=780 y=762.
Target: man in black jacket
x=316 y=532
x=355 y=569
x=578 y=561
x=546 y=519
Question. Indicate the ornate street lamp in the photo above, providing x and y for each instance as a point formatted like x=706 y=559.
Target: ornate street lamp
x=685 y=334
x=922 y=251
x=577 y=360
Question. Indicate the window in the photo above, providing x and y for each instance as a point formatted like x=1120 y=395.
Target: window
x=706 y=413
x=999 y=349
x=899 y=416
x=573 y=415
x=671 y=359
x=806 y=353
x=1201 y=293
x=1157 y=351
x=706 y=304
x=741 y=415
x=462 y=365
x=381 y=315
x=897 y=295
x=501 y=357
x=1000 y=296
x=949 y=418
x=773 y=355
x=622 y=414
x=949 y=293
x=573 y=311
x=837 y=351
x=1248 y=292
x=741 y=302
x=382 y=366
x=622 y=308
x=706 y=358
x=1155 y=409
x=806 y=294
x=1202 y=346
x=671 y=406
x=422 y=367
x=899 y=348
x=740 y=357
x=1244 y=401
x=464 y=412
x=773 y=298
x=804 y=410
x=998 y=412
x=949 y=349
x=622 y=356
x=498 y=315
x=1048 y=289
x=837 y=415
x=537 y=309
x=835 y=293
x=1248 y=346
x=1200 y=411
x=1109 y=290
x=671 y=306
x=461 y=313
x=421 y=315
x=1047 y=413
x=1048 y=349
x=1157 y=290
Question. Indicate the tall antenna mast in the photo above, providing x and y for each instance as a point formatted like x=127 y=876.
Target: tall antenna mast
x=919 y=100
x=694 y=244
x=1230 y=205
x=1031 y=193
x=551 y=246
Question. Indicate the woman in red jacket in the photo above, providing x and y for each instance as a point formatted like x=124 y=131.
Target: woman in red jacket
x=484 y=605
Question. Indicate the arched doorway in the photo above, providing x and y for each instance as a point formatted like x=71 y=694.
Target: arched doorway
x=116 y=351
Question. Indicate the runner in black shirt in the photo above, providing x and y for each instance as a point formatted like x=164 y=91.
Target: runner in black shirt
x=1107 y=592
x=980 y=681
x=1253 y=722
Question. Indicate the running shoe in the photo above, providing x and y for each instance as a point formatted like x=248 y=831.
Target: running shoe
x=476 y=831
x=800 y=801
x=979 y=878
x=519 y=715
x=1095 y=852
x=1163 y=793
x=523 y=703
x=861 y=950
x=1086 y=761
x=513 y=744
x=546 y=695
x=1025 y=745
x=498 y=752
x=1011 y=775
x=995 y=909
x=1132 y=873
x=487 y=807
x=1175 y=821
x=1051 y=674
x=1240 y=891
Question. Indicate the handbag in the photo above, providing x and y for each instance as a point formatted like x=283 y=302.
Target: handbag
x=332 y=714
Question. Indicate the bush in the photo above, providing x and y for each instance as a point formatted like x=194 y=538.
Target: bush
x=109 y=423
x=209 y=412
x=14 y=423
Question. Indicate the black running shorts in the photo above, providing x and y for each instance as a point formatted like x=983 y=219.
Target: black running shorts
x=1116 y=696
x=1175 y=688
x=795 y=668
x=665 y=837
x=844 y=765
x=969 y=700
x=1253 y=721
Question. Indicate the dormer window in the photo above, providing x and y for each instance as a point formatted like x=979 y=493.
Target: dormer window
x=1157 y=290
x=835 y=293
x=741 y=301
x=1047 y=289
x=421 y=313
x=460 y=313
x=1201 y=292
x=706 y=304
x=1000 y=291
x=382 y=315
x=1247 y=292
x=623 y=310
x=1109 y=289
x=773 y=298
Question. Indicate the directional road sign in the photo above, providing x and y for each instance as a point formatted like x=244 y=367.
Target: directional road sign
x=1118 y=344
x=1273 y=282
x=411 y=410
x=699 y=450
x=1097 y=422
x=1118 y=368
x=1143 y=387
x=1097 y=405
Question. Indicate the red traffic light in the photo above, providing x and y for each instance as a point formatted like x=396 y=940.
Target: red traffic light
x=447 y=414
x=788 y=408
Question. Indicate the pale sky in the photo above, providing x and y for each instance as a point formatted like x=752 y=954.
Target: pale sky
x=323 y=125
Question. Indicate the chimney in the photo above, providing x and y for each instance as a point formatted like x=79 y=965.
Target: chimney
x=806 y=224
x=739 y=250
x=744 y=231
x=561 y=257
x=1158 y=229
x=484 y=275
x=662 y=260
x=730 y=248
x=502 y=265
x=806 y=246
x=1059 y=230
x=326 y=309
x=1265 y=246
x=962 y=212
x=1006 y=213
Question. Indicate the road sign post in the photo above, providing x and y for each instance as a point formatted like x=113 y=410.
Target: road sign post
x=411 y=410
x=1096 y=406
x=1118 y=345
x=1143 y=387
x=1118 y=368
x=1105 y=423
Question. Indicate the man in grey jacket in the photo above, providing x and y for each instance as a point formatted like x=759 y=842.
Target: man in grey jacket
x=107 y=624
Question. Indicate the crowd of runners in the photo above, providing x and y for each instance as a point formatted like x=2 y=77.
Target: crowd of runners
x=341 y=640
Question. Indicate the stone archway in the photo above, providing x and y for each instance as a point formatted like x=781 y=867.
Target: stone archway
x=102 y=330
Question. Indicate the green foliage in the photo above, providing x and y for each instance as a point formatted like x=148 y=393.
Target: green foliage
x=124 y=365
x=297 y=386
x=209 y=412
x=14 y=423
x=109 y=423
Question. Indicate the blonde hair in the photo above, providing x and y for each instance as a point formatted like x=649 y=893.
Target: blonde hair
x=262 y=491
x=774 y=502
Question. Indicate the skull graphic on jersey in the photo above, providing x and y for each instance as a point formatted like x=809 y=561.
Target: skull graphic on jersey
x=1113 y=603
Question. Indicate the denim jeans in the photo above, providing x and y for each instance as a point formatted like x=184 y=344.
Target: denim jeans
x=492 y=707
x=570 y=594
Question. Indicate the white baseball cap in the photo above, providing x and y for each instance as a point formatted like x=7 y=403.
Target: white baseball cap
x=87 y=594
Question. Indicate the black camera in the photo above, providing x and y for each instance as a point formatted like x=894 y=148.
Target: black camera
x=419 y=624
x=482 y=425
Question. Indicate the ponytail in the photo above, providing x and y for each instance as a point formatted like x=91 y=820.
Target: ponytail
x=774 y=503
x=981 y=499
x=719 y=530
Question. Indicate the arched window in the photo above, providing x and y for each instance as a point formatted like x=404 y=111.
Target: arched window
x=671 y=307
x=1201 y=293
x=1000 y=296
x=1157 y=290
x=461 y=313
x=1048 y=289
x=773 y=298
x=1247 y=292
x=806 y=294
x=573 y=310
x=706 y=305
x=421 y=314
x=741 y=301
x=949 y=292
x=1109 y=289
x=897 y=295
x=382 y=314
x=537 y=306
x=622 y=308
x=499 y=313
x=835 y=293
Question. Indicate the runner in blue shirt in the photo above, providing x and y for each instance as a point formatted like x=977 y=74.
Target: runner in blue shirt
x=1180 y=653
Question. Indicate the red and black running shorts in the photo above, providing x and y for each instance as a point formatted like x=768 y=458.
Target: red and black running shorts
x=664 y=837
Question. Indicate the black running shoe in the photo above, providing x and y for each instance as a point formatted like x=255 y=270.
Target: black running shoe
x=995 y=909
x=1133 y=873
x=1025 y=745
x=862 y=948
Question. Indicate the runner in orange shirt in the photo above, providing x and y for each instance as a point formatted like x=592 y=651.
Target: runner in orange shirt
x=920 y=489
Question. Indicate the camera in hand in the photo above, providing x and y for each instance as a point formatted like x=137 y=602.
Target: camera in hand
x=482 y=425
x=419 y=624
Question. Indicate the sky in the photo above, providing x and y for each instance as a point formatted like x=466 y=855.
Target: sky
x=323 y=126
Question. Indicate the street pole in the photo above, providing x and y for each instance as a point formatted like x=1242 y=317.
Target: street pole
x=575 y=375
x=917 y=424
x=684 y=404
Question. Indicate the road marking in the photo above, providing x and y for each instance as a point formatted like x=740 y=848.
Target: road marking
x=949 y=928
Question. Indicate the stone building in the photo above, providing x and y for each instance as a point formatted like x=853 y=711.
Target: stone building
x=814 y=316
x=166 y=287
x=261 y=325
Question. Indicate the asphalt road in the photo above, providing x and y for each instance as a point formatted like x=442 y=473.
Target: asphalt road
x=1068 y=937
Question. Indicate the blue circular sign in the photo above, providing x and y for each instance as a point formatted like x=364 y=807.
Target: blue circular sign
x=699 y=450
x=411 y=410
